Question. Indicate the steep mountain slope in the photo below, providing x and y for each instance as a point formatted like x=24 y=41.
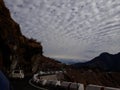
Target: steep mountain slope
x=17 y=51
x=102 y=70
x=104 y=61
x=94 y=76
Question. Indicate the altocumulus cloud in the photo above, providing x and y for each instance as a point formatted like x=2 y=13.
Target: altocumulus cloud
x=70 y=29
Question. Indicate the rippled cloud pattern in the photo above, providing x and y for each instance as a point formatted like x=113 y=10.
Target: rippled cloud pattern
x=70 y=29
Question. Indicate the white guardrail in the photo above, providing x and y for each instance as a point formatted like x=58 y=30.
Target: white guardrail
x=36 y=86
x=63 y=85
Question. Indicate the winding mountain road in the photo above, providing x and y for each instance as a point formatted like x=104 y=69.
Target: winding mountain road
x=37 y=87
x=24 y=84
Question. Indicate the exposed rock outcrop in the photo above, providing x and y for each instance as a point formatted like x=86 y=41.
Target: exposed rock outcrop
x=16 y=51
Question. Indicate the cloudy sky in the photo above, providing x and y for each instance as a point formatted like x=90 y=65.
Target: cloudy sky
x=70 y=29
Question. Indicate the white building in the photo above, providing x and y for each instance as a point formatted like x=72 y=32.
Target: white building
x=17 y=74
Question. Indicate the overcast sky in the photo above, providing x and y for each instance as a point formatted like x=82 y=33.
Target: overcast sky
x=70 y=29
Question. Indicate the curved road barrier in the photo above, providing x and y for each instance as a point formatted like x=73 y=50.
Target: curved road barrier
x=36 y=85
x=54 y=84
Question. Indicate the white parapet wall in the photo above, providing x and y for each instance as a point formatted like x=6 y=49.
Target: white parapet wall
x=94 y=87
x=110 y=88
x=76 y=86
x=80 y=86
x=65 y=85
x=44 y=81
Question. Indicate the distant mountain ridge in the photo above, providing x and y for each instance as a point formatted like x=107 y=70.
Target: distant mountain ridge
x=67 y=61
x=105 y=61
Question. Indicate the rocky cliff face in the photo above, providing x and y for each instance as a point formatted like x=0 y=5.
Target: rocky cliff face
x=15 y=49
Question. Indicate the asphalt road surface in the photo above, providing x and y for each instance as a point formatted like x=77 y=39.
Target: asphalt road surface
x=22 y=84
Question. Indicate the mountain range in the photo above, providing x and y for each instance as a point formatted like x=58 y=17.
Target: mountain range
x=105 y=61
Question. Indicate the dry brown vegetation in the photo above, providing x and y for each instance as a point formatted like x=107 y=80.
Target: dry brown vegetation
x=97 y=77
